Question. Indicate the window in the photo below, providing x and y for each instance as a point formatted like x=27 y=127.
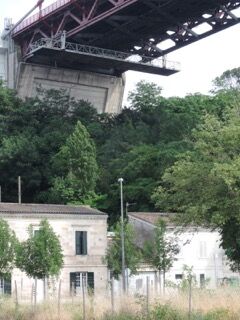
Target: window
x=202 y=280
x=178 y=276
x=36 y=232
x=80 y=279
x=81 y=242
x=5 y=286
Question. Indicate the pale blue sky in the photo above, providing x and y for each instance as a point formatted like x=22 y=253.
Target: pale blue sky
x=200 y=62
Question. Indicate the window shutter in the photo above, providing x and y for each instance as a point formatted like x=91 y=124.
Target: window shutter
x=90 y=280
x=84 y=242
x=72 y=281
x=78 y=242
x=81 y=242
x=7 y=286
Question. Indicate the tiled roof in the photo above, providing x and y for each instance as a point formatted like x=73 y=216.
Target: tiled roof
x=47 y=208
x=153 y=217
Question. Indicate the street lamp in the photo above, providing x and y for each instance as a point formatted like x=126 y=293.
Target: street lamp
x=120 y=180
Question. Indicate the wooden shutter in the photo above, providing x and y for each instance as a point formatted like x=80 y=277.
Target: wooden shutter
x=7 y=286
x=78 y=242
x=90 y=280
x=81 y=242
x=84 y=242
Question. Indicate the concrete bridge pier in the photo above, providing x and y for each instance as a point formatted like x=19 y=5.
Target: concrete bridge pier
x=103 y=91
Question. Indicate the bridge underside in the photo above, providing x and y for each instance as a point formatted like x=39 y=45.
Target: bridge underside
x=131 y=26
x=93 y=59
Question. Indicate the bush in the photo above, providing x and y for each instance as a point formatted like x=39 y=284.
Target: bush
x=166 y=312
x=221 y=314
x=122 y=316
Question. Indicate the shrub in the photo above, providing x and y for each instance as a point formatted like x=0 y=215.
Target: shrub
x=166 y=312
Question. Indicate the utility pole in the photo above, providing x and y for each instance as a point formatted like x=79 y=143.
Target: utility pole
x=19 y=190
x=120 y=180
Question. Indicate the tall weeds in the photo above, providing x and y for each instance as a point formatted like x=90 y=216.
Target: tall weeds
x=222 y=304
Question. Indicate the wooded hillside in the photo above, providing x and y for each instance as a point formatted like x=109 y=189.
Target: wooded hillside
x=39 y=141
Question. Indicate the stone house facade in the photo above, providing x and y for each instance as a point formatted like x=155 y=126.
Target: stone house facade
x=199 y=249
x=82 y=232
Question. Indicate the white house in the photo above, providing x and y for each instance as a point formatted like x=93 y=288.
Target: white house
x=199 y=248
x=83 y=236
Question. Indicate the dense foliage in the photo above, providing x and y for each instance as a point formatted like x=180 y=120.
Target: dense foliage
x=40 y=256
x=160 y=252
x=8 y=243
x=41 y=140
x=76 y=167
x=114 y=251
x=203 y=185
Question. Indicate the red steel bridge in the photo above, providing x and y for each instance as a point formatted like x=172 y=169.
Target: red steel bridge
x=112 y=36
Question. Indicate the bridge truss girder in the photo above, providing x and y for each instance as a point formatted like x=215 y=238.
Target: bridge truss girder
x=131 y=26
x=105 y=61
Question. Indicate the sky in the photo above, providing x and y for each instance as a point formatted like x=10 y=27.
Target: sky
x=200 y=62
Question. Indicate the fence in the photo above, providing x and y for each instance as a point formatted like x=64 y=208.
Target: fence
x=88 y=305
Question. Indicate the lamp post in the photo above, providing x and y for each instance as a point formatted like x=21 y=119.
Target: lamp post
x=120 y=180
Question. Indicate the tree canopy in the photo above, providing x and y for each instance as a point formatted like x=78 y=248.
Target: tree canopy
x=132 y=253
x=42 y=141
x=76 y=167
x=203 y=184
x=229 y=80
x=161 y=251
x=8 y=242
x=40 y=256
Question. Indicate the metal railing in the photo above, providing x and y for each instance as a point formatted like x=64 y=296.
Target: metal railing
x=61 y=44
x=42 y=13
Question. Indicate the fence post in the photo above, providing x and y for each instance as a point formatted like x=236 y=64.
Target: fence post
x=84 y=301
x=35 y=294
x=21 y=289
x=16 y=294
x=160 y=282
x=112 y=294
x=72 y=291
x=155 y=283
x=190 y=298
x=147 y=296
x=59 y=297
x=32 y=295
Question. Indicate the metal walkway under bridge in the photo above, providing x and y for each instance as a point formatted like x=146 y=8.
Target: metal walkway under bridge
x=148 y=29
x=77 y=56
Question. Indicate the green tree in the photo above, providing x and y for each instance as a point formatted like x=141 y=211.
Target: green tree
x=229 y=80
x=114 y=251
x=8 y=244
x=30 y=137
x=146 y=96
x=161 y=251
x=76 y=160
x=40 y=256
x=138 y=144
x=230 y=233
x=203 y=185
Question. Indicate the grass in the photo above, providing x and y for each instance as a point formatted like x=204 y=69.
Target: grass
x=222 y=304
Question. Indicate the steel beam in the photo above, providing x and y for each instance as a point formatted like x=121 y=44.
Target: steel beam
x=133 y=26
x=121 y=60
